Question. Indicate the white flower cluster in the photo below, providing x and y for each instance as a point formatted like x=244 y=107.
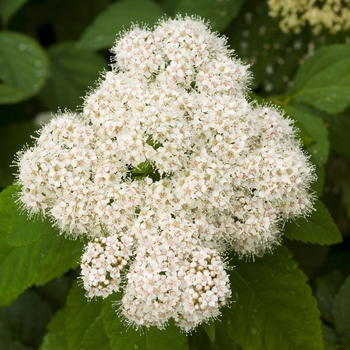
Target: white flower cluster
x=188 y=284
x=102 y=263
x=167 y=168
x=332 y=15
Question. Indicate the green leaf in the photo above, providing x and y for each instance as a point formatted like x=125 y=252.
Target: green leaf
x=273 y=305
x=127 y=338
x=73 y=71
x=24 y=261
x=15 y=227
x=315 y=127
x=85 y=10
x=314 y=134
x=84 y=325
x=35 y=251
x=341 y=312
x=58 y=255
x=23 y=67
x=323 y=81
x=326 y=288
x=330 y=338
x=26 y=319
x=210 y=330
x=56 y=336
x=339 y=131
x=319 y=228
x=8 y=342
x=14 y=136
x=8 y=8
x=318 y=185
x=9 y=94
x=101 y=34
x=220 y=13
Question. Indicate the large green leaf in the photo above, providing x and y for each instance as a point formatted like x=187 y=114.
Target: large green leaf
x=56 y=336
x=323 y=81
x=319 y=228
x=9 y=94
x=77 y=326
x=273 y=306
x=314 y=134
x=16 y=228
x=31 y=248
x=73 y=71
x=58 y=255
x=339 y=131
x=84 y=326
x=23 y=67
x=220 y=13
x=101 y=34
x=127 y=338
x=341 y=312
x=315 y=127
x=8 y=8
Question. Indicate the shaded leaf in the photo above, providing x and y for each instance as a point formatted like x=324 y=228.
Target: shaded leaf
x=11 y=145
x=8 y=8
x=323 y=81
x=126 y=338
x=23 y=66
x=85 y=10
x=330 y=338
x=26 y=319
x=341 y=313
x=73 y=71
x=220 y=13
x=318 y=185
x=273 y=305
x=84 y=326
x=326 y=288
x=339 y=131
x=318 y=228
x=8 y=342
x=118 y=17
x=315 y=127
x=210 y=329
x=314 y=135
x=56 y=336
x=9 y=94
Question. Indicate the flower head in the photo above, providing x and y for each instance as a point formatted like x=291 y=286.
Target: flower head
x=168 y=167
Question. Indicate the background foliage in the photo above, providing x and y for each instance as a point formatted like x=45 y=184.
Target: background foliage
x=298 y=297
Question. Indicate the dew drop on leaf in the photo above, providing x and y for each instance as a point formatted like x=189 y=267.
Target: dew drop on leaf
x=22 y=47
x=253 y=330
x=136 y=346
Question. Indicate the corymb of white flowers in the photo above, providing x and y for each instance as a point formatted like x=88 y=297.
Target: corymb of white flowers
x=168 y=168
